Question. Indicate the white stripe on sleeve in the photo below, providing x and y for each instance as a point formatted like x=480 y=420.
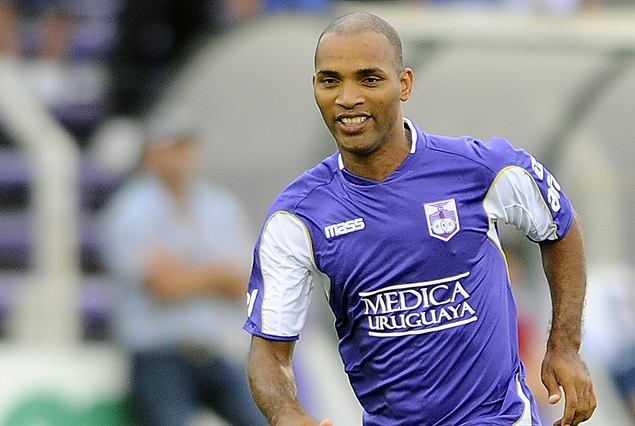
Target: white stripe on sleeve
x=516 y=199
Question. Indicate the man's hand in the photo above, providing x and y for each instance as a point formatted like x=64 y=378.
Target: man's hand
x=566 y=370
x=304 y=420
x=300 y=420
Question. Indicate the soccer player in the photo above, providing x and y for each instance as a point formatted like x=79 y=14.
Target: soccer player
x=399 y=227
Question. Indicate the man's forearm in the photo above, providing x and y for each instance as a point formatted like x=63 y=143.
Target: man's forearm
x=565 y=269
x=563 y=371
x=273 y=384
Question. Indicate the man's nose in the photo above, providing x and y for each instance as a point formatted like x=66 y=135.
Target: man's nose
x=349 y=95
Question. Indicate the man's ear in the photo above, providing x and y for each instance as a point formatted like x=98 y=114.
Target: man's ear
x=406 y=79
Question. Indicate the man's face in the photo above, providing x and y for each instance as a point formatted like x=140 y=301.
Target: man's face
x=359 y=91
x=175 y=161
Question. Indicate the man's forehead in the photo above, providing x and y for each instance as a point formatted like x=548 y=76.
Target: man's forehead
x=338 y=38
x=359 y=45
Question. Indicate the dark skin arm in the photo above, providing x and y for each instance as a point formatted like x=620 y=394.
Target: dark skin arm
x=171 y=278
x=562 y=367
x=273 y=384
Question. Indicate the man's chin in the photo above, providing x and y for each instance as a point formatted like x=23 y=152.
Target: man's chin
x=359 y=147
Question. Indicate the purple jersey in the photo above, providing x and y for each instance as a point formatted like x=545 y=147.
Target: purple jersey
x=415 y=275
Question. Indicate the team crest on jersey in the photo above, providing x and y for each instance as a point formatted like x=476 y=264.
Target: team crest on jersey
x=443 y=219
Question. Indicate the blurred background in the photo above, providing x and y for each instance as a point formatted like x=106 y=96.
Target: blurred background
x=78 y=79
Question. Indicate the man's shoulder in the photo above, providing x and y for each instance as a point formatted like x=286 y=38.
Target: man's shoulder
x=306 y=184
x=140 y=190
x=466 y=143
x=215 y=194
x=492 y=153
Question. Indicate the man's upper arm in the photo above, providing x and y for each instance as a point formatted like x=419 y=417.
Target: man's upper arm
x=127 y=242
x=282 y=279
x=520 y=198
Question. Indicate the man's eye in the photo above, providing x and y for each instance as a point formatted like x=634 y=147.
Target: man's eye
x=372 y=80
x=328 y=81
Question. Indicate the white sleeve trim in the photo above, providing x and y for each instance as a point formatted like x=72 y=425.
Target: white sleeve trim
x=288 y=271
x=516 y=199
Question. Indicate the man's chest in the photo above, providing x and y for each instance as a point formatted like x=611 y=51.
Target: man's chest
x=396 y=235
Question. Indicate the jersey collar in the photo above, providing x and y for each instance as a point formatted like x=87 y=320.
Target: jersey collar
x=413 y=147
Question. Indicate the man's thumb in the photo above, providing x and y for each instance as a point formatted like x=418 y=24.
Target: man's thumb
x=554 y=398
x=554 y=390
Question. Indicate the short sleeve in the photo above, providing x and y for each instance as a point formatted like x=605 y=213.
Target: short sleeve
x=527 y=196
x=282 y=278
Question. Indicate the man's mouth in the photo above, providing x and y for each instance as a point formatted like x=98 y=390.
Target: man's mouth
x=353 y=120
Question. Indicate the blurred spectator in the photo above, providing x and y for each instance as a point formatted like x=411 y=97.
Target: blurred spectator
x=34 y=28
x=610 y=326
x=155 y=37
x=297 y=6
x=556 y=7
x=60 y=47
x=179 y=248
x=546 y=7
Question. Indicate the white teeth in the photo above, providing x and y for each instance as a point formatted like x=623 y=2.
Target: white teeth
x=353 y=120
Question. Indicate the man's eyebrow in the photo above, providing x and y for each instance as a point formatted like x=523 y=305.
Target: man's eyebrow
x=328 y=73
x=364 y=72
x=369 y=71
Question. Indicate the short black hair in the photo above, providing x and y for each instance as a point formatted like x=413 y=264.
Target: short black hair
x=359 y=22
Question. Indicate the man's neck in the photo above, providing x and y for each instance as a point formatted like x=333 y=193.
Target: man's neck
x=379 y=165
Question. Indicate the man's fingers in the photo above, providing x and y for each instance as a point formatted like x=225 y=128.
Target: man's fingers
x=326 y=422
x=553 y=388
x=579 y=405
x=570 y=405
x=586 y=405
x=568 y=378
